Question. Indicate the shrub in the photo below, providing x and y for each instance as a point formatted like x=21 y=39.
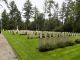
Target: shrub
x=61 y=45
x=51 y=45
x=47 y=47
x=52 y=35
x=43 y=36
x=13 y=33
x=38 y=36
x=70 y=43
x=35 y=33
x=17 y=32
x=43 y=48
x=26 y=33
x=77 y=41
x=28 y=36
x=65 y=44
x=48 y=35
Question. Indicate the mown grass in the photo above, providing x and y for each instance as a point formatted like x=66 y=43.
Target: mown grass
x=27 y=49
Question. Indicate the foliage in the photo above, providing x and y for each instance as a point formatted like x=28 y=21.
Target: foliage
x=77 y=41
x=5 y=20
x=66 y=19
x=27 y=12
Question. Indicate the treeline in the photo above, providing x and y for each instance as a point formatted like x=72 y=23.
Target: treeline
x=66 y=18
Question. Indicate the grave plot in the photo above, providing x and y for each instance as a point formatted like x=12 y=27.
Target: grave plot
x=32 y=34
x=48 y=35
x=22 y=32
x=14 y=32
x=50 y=41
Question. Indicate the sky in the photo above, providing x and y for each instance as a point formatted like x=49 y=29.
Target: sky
x=38 y=3
x=20 y=3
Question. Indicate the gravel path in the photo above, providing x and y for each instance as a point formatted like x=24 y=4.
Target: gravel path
x=6 y=52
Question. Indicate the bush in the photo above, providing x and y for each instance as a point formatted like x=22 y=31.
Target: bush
x=61 y=45
x=48 y=35
x=70 y=43
x=77 y=41
x=35 y=33
x=17 y=32
x=65 y=44
x=43 y=48
x=52 y=35
x=47 y=47
x=0 y=31
x=43 y=36
x=13 y=33
x=26 y=33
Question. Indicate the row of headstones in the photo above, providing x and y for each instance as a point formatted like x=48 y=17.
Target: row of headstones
x=30 y=34
x=55 y=34
x=51 y=40
x=46 y=34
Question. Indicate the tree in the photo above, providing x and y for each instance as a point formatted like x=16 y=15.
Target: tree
x=5 y=20
x=45 y=8
x=62 y=13
x=50 y=5
x=68 y=16
x=27 y=12
x=15 y=16
x=18 y=20
x=77 y=21
x=0 y=26
x=38 y=22
x=36 y=12
x=5 y=3
x=56 y=14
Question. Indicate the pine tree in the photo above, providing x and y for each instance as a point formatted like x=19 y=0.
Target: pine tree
x=62 y=13
x=5 y=3
x=50 y=6
x=77 y=21
x=15 y=16
x=36 y=12
x=27 y=12
x=69 y=16
x=5 y=20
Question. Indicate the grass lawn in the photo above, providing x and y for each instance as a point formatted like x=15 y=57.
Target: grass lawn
x=26 y=49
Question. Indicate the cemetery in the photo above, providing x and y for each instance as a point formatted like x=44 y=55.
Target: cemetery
x=39 y=30
x=46 y=44
x=50 y=40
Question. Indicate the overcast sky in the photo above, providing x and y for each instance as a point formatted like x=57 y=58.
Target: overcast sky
x=20 y=3
x=38 y=3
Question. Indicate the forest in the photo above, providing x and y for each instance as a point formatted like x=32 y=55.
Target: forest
x=64 y=19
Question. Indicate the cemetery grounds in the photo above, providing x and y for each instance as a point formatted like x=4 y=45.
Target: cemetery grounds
x=27 y=49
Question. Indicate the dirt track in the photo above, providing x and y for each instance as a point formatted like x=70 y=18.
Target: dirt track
x=6 y=52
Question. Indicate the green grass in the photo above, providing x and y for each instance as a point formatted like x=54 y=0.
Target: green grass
x=26 y=49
